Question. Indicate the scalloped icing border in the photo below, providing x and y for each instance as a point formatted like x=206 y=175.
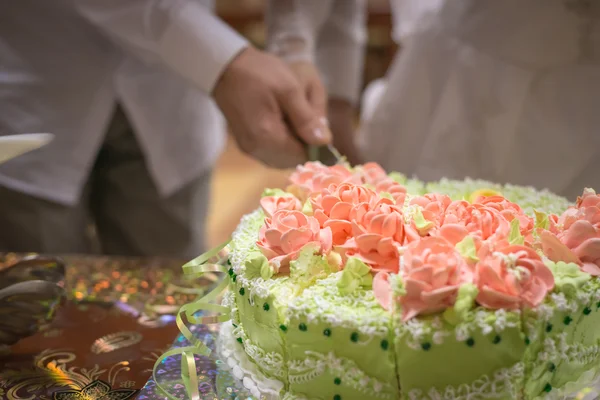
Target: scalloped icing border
x=243 y=369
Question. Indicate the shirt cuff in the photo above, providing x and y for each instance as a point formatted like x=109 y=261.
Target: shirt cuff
x=198 y=45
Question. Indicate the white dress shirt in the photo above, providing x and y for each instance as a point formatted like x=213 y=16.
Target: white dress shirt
x=65 y=64
x=501 y=90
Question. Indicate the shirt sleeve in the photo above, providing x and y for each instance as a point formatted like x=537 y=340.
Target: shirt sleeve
x=184 y=35
x=331 y=33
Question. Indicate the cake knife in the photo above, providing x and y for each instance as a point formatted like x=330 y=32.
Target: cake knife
x=314 y=151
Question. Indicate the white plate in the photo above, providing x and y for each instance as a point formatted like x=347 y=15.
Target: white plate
x=15 y=145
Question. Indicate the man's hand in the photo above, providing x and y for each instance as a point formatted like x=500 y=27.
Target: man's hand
x=312 y=85
x=337 y=113
x=258 y=94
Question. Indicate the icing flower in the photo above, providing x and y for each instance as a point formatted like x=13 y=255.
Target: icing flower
x=433 y=272
x=511 y=278
x=393 y=188
x=509 y=211
x=477 y=219
x=377 y=233
x=546 y=221
x=589 y=198
x=579 y=242
x=332 y=208
x=372 y=173
x=313 y=177
x=286 y=233
x=271 y=204
x=428 y=214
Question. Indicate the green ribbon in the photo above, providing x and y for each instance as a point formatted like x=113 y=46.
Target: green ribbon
x=196 y=269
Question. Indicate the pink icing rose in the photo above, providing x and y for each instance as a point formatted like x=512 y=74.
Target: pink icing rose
x=432 y=274
x=313 y=177
x=579 y=241
x=478 y=220
x=372 y=173
x=432 y=206
x=509 y=211
x=382 y=290
x=332 y=208
x=589 y=198
x=271 y=204
x=396 y=190
x=511 y=278
x=580 y=244
x=286 y=233
x=377 y=235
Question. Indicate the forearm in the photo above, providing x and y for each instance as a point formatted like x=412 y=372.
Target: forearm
x=181 y=34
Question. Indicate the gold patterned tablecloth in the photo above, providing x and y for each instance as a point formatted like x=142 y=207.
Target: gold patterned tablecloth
x=105 y=338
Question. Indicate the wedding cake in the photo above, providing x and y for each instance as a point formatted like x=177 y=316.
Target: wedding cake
x=355 y=284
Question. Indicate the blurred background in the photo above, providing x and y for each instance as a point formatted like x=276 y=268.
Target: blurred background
x=239 y=180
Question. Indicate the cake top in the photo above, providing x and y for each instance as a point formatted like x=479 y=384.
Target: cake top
x=425 y=248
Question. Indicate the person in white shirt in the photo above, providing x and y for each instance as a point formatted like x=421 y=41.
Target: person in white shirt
x=501 y=90
x=506 y=91
x=126 y=88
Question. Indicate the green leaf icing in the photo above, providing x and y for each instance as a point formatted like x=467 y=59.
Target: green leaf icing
x=356 y=274
x=467 y=249
x=465 y=301
x=307 y=208
x=255 y=264
x=568 y=277
x=515 y=236
x=420 y=222
x=541 y=220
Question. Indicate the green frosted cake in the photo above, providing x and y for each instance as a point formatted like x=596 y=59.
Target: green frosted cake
x=355 y=284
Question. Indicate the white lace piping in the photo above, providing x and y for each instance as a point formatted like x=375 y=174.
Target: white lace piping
x=233 y=354
x=505 y=382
